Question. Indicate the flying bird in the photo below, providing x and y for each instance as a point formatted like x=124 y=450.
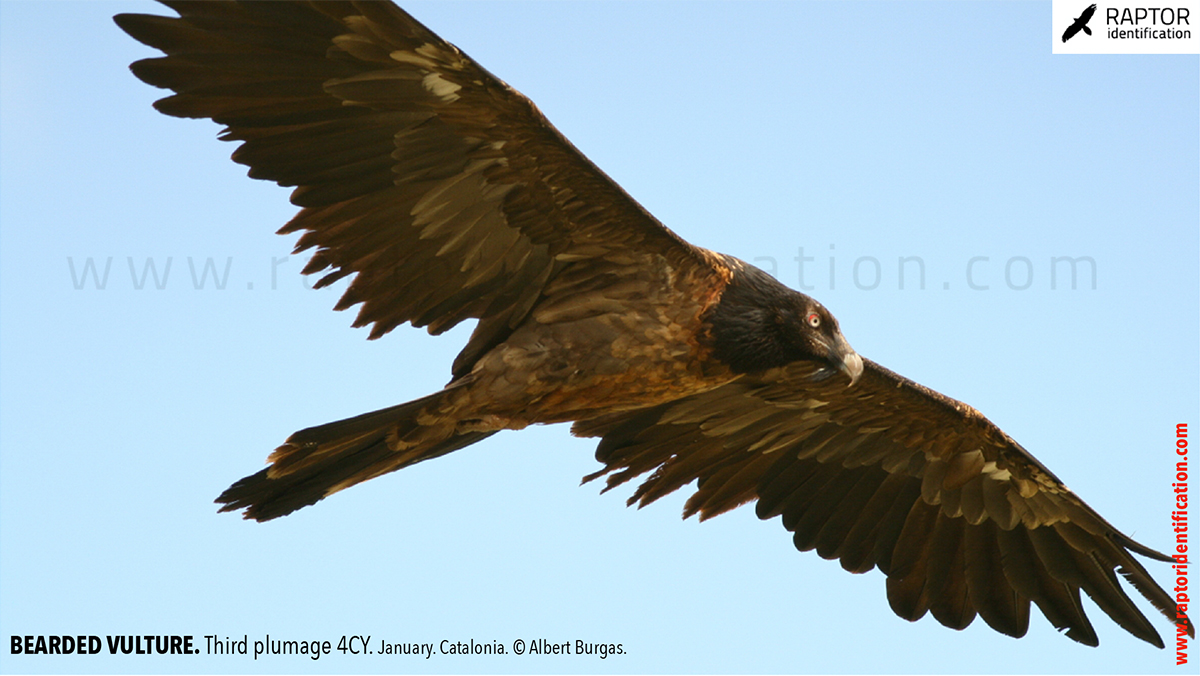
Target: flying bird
x=1080 y=24
x=448 y=196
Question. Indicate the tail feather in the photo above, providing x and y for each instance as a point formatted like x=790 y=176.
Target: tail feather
x=319 y=461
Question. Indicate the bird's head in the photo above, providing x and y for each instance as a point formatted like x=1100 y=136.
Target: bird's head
x=813 y=333
x=760 y=324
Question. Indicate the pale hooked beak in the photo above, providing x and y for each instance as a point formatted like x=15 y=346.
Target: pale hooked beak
x=852 y=365
x=842 y=358
x=847 y=360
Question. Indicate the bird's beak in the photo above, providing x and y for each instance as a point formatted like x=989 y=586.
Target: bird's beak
x=846 y=359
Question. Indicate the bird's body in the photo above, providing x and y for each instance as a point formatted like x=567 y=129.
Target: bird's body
x=634 y=340
x=608 y=337
x=448 y=196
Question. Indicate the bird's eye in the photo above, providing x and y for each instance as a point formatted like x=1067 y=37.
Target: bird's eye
x=814 y=320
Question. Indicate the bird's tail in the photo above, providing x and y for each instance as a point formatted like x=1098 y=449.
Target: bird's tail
x=1087 y=30
x=319 y=461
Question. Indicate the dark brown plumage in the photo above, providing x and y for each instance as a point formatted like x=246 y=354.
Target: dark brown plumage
x=448 y=196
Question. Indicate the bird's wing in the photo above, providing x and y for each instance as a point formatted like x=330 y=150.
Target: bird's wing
x=1087 y=15
x=890 y=474
x=447 y=192
x=1071 y=31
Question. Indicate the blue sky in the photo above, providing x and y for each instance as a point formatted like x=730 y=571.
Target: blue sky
x=861 y=133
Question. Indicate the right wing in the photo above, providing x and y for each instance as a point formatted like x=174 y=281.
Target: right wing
x=889 y=474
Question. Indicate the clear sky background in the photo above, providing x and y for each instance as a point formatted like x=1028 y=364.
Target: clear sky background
x=860 y=133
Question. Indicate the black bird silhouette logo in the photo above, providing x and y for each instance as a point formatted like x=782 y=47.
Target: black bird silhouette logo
x=1080 y=24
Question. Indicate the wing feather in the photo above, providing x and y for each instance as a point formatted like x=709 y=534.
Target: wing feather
x=999 y=603
x=945 y=583
x=906 y=584
x=838 y=503
x=848 y=512
x=874 y=523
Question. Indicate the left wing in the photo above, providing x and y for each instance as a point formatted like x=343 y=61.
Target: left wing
x=890 y=474
x=444 y=192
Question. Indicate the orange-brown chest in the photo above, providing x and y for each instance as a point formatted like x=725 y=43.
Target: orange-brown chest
x=608 y=338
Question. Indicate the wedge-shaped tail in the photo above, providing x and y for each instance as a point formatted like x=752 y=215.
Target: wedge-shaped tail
x=319 y=461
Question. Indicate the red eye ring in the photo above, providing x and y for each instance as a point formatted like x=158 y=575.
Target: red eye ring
x=814 y=320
